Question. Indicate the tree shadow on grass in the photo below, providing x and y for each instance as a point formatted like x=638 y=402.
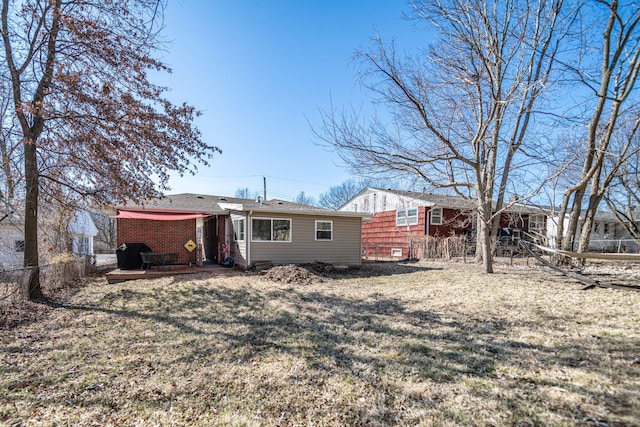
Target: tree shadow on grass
x=373 y=340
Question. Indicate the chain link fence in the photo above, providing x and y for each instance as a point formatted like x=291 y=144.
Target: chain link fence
x=53 y=276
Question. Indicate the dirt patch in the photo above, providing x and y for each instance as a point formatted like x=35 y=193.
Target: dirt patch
x=293 y=275
x=320 y=272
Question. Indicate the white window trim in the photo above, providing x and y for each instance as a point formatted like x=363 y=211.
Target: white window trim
x=431 y=221
x=271 y=240
x=315 y=234
x=244 y=229
x=406 y=219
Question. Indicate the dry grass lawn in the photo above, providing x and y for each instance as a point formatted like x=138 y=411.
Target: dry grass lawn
x=428 y=344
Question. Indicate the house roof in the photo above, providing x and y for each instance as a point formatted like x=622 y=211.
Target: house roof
x=456 y=202
x=424 y=199
x=184 y=203
x=217 y=205
x=437 y=200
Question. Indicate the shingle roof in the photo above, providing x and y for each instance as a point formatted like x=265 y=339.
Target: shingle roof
x=213 y=205
x=438 y=200
x=458 y=202
x=187 y=202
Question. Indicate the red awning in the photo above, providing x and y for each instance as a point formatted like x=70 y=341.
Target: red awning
x=159 y=216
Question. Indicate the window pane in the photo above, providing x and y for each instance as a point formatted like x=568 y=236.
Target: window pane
x=436 y=216
x=261 y=229
x=323 y=230
x=412 y=216
x=282 y=230
x=238 y=229
x=19 y=245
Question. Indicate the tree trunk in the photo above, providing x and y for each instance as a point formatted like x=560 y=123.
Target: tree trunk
x=574 y=219
x=484 y=236
x=585 y=233
x=31 y=220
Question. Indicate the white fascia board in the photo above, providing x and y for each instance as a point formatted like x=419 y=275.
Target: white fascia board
x=232 y=206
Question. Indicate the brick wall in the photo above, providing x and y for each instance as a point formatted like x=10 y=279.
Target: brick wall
x=160 y=236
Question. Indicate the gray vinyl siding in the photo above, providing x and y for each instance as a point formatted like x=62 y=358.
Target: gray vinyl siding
x=344 y=249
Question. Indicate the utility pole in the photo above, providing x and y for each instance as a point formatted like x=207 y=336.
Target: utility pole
x=264 y=184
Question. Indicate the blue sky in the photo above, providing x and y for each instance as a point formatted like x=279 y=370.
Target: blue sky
x=260 y=71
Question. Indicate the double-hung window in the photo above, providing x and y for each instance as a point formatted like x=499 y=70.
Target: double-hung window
x=436 y=216
x=271 y=230
x=238 y=230
x=407 y=217
x=324 y=230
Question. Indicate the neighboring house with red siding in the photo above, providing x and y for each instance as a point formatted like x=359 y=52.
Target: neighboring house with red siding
x=400 y=219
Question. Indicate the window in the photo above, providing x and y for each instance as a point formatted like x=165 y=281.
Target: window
x=271 y=229
x=238 y=230
x=436 y=216
x=83 y=245
x=324 y=230
x=605 y=228
x=19 y=245
x=407 y=217
x=537 y=222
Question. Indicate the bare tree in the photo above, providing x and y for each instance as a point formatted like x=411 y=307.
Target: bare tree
x=616 y=26
x=459 y=113
x=338 y=195
x=92 y=125
x=303 y=199
x=622 y=196
x=10 y=148
x=245 y=193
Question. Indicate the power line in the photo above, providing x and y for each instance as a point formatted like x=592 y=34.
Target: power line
x=267 y=176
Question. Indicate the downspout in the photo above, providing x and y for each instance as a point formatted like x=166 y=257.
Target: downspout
x=248 y=239
x=428 y=219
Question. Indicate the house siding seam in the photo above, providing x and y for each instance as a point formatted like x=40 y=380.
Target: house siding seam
x=160 y=236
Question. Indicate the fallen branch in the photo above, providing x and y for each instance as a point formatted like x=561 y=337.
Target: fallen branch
x=579 y=277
